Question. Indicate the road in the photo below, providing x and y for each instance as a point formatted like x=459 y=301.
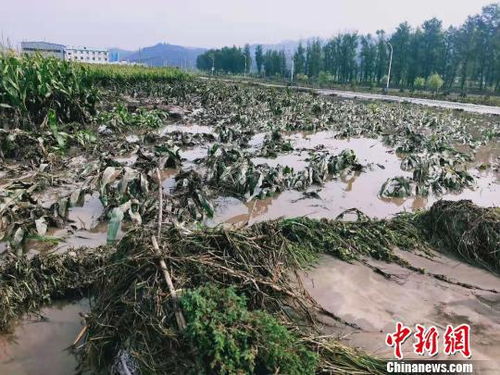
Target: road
x=476 y=108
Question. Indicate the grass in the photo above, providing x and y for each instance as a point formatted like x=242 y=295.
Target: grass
x=229 y=339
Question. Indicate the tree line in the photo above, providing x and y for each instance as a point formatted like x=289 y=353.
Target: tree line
x=464 y=57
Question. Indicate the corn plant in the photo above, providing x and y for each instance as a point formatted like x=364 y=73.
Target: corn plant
x=32 y=86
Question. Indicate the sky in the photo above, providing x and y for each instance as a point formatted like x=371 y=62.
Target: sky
x=131 y=24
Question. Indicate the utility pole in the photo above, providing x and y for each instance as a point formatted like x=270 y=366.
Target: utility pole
x=292 y=71
x=245 y=72
x=213 y=63
x=390 y=66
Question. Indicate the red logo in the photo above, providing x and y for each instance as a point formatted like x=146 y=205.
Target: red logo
x=398 y=338
x=426 y=340
x=456 y=340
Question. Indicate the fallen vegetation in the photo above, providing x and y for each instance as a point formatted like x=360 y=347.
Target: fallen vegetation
x=469 y=231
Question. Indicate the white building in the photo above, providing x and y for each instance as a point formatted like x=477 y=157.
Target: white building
x=43 y=48
x=68 y=53
x=86 y=55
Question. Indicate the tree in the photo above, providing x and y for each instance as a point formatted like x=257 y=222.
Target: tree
x=368 y=55
x=464 y=56
x=313 y=60
x=414 y=57
x=451 y=60
x=274 y=63
x=299 y=60
x=433 y=45
x=382 y=59
x=434 y=82
x=226 y=59
x=259 y=58
x=400 y=41
x=347 y=57
x=248 y=58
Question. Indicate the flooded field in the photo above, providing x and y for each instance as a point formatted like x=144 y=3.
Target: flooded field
x=260 y=156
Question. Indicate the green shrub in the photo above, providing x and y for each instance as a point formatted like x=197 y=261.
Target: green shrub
x=419 y=83
x=434 y=82
x=230 y=339
x=325 y=78
x=301 y=77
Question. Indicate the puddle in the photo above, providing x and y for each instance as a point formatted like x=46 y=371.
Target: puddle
x=487 y=154
x=193 y=153
x=95 y=237
x=133 y=138
x=358 y=295
x=39 y=347
x=128 y=160
x=87 y=215
x=168 y=179
x=69 y=239
x=256 y=141
x=190 y=128
x=51 y=196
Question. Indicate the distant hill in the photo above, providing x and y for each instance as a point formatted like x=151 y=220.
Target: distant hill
x=164 y=54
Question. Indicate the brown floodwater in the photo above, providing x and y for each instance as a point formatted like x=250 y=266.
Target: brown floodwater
x=87 y=215
x=39 y=347
x=356 y=294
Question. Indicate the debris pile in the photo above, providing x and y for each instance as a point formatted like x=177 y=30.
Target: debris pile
x=467 y=230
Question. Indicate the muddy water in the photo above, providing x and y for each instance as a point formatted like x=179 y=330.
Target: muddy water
x=189 y=128
x=296 y=160
x=39 y=347
x=360 y=190
x=362 y=297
